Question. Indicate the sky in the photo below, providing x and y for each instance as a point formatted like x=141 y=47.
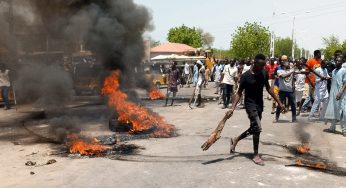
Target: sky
x=314 y=19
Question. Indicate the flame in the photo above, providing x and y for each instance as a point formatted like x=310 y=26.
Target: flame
x=140 y=118
x=317 y=165
x=156 y=94
x=78 y=145
x=303 y=149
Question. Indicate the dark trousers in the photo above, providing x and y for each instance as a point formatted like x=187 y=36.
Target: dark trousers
x=283 y=95
x=4 y=94
x=255 y=129
x=227 y=92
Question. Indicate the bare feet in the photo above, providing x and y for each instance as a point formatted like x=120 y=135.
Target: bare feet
x=257 y=160
x=233 y=145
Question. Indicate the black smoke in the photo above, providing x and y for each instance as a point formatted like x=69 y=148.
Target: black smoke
x=112 y=29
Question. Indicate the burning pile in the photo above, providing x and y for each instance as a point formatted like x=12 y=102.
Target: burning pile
x=309 y=164
x=78 y=145
x=142 y=119
x=155 y=94
x=303 y=149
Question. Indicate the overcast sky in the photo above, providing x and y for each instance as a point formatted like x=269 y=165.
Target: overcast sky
x=314 y=18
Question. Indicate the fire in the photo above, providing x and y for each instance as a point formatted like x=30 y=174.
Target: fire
x=78 y=145
x=140 y=118
x=317 y=165
x=156 y=94
x=303 y=149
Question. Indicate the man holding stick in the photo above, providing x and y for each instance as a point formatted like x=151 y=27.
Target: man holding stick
x=252 y=82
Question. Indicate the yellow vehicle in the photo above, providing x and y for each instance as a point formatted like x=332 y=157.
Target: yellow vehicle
x=86 y=73
x=156 y=73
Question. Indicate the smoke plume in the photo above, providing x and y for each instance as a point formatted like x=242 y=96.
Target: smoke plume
x=112 y=29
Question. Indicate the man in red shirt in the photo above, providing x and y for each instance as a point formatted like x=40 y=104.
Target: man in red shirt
x=270 y=68
x=310 y=66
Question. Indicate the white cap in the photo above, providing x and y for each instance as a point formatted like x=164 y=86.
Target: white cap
x=199 y=62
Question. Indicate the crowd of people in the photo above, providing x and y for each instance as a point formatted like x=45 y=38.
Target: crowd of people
x=315 y=86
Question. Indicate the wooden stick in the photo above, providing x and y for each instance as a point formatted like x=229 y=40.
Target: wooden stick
x=216 y=134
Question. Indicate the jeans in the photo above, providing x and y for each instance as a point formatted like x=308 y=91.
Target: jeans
x=292 y=102
x=4 y=94
x=227 y=91
x=309 y=99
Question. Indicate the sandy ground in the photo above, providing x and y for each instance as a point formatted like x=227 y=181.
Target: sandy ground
x=172 y=162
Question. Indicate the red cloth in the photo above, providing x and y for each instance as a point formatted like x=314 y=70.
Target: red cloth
x=311 y=64
x=271 y=69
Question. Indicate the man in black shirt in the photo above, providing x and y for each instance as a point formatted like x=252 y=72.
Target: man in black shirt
x=253 y=82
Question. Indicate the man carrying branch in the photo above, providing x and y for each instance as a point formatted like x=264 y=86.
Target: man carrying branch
x=252 y=82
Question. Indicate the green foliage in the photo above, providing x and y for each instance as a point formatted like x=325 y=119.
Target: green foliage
x=250 y=40
x=185 y=35
x=332 y=43
x=344 y=46
x=283 y=46
x=222 y=54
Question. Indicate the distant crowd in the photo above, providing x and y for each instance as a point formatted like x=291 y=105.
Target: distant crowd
x=315 y=86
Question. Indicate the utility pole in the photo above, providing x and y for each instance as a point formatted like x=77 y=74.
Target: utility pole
x=272 y=44
x=294 y=18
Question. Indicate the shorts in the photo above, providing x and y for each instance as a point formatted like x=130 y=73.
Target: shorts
x=299 y=95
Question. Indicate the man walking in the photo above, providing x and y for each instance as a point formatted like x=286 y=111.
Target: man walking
x=286 y=90
x=187 y=74
x=336 y=110
x=311 y=64
x=217 y=77
x=229 y=80
x=200 y=82
x=173 y=77
x=299 y=77
x=5 y=86
x=321 y=91
x=195 y=74
x=270 y=68
x=252 y=82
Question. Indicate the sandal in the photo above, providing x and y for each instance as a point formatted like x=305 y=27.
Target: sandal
x=258 y=161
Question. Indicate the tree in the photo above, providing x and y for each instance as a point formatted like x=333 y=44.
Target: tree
x=344 y=46
x=331 y=43
x=222 y=54
x=283 y=46
x=185 y=35
x=250 y=40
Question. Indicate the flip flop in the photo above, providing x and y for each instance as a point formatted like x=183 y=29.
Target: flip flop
x=258 y=161
x=232 y=149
